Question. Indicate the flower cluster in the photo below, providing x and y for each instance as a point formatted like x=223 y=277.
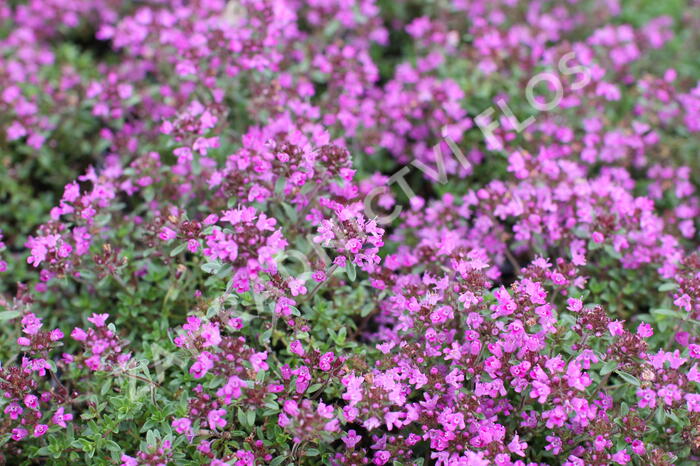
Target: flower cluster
x=33 y=399
x=103 y=349
x=349 y=232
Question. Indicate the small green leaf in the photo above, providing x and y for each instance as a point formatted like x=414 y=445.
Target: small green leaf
x=177 y=250
x=608 y=367
x=278 y=461
x=242 y=418
x=367 y=309
x=668 y=287
x=211 y=267
x=290 y=211
x=668 y=313
x=7 y=315
x=629 y=378
x=315 y=387
x=661 y=415
x=280 y=184
x=351 y=271
x=624 y=409
x=342 y=334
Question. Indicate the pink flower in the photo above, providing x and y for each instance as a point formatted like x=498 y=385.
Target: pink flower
x=257 y=360
x=192 y=245
x=574 y=304
x=167 y=234
x=128 y=461
x=600 y=443
x=615 y=328
x=540 y=391
x=517 y=447
x=182 y=425
x=647 y=398
x=210 y=334
x=98 y=319
x=78 y=334
x=326 y=360
x=694 y=351
x=296 y=348
x=291 y=407
x=381 y=457
x=18 y=434
x=40 y=429
x=60 y=418
x=245 y=458
x=297 y=287
x=231 y=390
x=351 y=439
x=645 y=330
x=324 y=410
x=283 y=420
x=215 y=418
x=340 y=261
x=353 y=245
x=282 y=307
x=554 y=445
x=693 y=402
x=31 y=324
x=31 y=401
x=93 y=362
x=621 y=457
x=638 y=447
x=13 y=410
x=684 y=302
x=202 y=365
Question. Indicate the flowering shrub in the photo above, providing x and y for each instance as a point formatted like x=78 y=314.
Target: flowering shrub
x=253 y=232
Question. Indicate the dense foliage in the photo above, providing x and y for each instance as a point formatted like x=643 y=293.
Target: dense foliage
x=453 y=232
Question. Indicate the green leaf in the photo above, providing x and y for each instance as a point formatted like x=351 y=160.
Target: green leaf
x=351 y=271
x=242 y=418
x=278 y=461
x=111 y=445
x=668 y=287
x=106 y=386
x=674 y=417
x=151 y=437
x=315 y=387
x=280 y=184
x=265 y=336
x=177 y=250
x=367 y=309
x=629 y=378
x=8 y=315
x=290 y=211
x=43 y=451
x=612 y=252
x=624 y=409
x=342 y=334
x=668 y=313
x=608 y=367
x=211 y=267
x=660 y=415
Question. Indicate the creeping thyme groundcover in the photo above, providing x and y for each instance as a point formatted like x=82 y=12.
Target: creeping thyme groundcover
x=348 y=232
